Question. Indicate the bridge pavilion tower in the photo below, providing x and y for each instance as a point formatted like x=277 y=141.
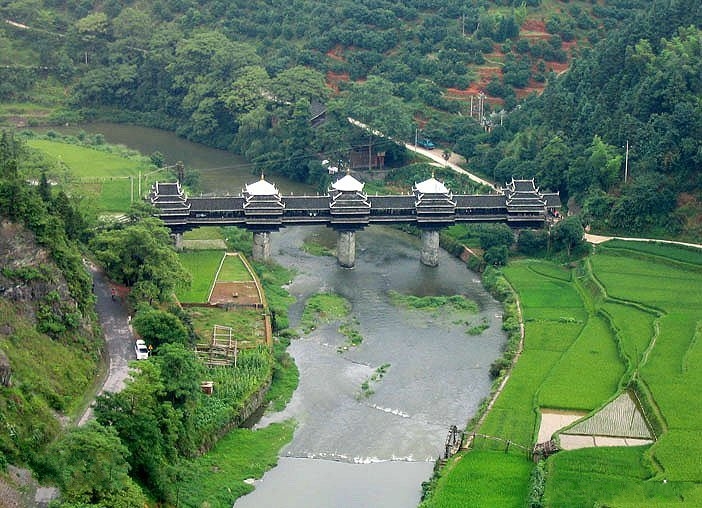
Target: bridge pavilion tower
x=263 y=209
x=350 y=211
x=436 y=209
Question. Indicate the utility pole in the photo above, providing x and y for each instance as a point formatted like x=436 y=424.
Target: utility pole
x=626 y=162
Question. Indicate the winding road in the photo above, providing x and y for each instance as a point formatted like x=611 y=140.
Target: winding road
x=119 y=339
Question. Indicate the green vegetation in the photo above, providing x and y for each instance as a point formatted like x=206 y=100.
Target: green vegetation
x=478 y=328
x=482 y=478
x=415 y=70
x=202 y=266
x=628 y=322
x=246 y=324
x=109 y=176
x=219 y=475
x=233 y=270
x=352 y=334
x=285 y=375
x=145 y=438
x=450 y=309
x=367 y=385
x=457 y=302
x=48 y=376
x=89 y=162
x=273 y=277
x=316 y=248
x=323 y=308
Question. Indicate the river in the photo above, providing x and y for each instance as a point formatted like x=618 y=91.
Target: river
x=220 y=171
x=354 y=448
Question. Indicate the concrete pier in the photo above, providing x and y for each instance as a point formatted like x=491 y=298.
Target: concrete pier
x=346 y=249
x=178 y=241
x=261 y=246
x=430 y=247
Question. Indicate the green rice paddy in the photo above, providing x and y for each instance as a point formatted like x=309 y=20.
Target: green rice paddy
x=630 y=315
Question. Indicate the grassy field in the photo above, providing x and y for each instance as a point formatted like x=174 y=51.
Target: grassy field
x=219 y=475
x=472 y=481
x=202 y=265
x=631 y=313
x=246 y=324
x=233 y=270
x=111 y=177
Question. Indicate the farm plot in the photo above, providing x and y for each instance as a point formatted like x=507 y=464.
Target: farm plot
x=111 y=178
x=581 y=349
x=658 y=318
x=202 y=265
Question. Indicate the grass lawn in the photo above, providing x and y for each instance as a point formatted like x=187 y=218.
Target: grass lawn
x=204 y=233
x=202 y=265
x=233 y=270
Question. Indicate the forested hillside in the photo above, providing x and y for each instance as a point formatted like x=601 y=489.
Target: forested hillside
x=249 y=76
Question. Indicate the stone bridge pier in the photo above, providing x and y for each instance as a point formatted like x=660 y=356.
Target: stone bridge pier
x=429 y=255
x=346 y=249
x=261 y=249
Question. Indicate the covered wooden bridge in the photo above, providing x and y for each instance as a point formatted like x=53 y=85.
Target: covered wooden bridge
x=262 y=209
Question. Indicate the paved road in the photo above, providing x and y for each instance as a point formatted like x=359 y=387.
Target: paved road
x=437 y=155
x=119 y=339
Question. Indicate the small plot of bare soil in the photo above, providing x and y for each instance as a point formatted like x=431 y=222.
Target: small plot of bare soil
x=553 y=420
x=242 y=293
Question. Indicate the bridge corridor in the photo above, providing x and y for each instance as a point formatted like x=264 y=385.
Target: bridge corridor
x=346 y=208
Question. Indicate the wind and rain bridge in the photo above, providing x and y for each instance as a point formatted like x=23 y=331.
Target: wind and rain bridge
x=430 y=206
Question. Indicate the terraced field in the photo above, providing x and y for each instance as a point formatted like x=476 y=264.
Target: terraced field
x=619 y=337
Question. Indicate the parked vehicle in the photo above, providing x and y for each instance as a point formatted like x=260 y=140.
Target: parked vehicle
x=142 y=352
x=426 y=143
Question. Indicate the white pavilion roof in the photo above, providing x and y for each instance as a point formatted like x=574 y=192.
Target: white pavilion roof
x=261 y=188
x=348 y=184
x=431 y=186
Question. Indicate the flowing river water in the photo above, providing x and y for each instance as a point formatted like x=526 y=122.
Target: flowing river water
x=356 y=447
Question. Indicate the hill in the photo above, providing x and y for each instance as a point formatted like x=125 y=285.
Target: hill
x=49 y=347
x=546 y=88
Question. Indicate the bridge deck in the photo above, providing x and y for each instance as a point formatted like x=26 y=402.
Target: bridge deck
x=521 y=205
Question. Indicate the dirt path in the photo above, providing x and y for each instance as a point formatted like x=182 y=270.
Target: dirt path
x=119 y=339
x=596 y=239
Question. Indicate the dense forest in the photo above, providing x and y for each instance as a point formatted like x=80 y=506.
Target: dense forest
x=599 y=100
